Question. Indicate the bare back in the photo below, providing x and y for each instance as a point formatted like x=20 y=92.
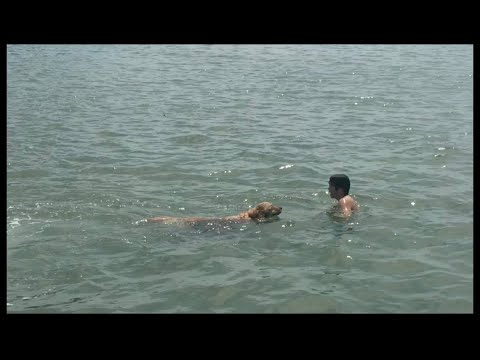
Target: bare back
x=347 y=204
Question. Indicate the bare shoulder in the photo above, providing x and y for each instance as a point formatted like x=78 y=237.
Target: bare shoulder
x=349 y=202
x=355 y=204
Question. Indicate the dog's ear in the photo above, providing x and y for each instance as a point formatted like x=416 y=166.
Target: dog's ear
x=259 y=211
x=253 y=213
x=265 y=207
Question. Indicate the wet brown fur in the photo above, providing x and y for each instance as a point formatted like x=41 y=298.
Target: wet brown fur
x=262 y=211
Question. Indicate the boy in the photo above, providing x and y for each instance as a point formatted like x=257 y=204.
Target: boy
x=338 y=187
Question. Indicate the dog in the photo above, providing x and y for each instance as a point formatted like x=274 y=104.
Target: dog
x=261 y=212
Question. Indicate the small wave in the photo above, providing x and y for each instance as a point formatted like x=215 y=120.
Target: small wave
x=190 y=139
x=142 y=221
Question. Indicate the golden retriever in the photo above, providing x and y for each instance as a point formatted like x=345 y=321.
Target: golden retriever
x=262 y=211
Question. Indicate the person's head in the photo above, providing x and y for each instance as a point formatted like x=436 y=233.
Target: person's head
x=338 y=186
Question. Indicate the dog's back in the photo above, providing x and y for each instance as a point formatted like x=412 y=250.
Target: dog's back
x=262 y=211
x=174 y=219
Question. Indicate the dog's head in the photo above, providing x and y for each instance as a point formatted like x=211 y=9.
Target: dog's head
x=264 y=210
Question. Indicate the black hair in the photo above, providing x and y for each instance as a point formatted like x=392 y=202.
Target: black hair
x=340 y=181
